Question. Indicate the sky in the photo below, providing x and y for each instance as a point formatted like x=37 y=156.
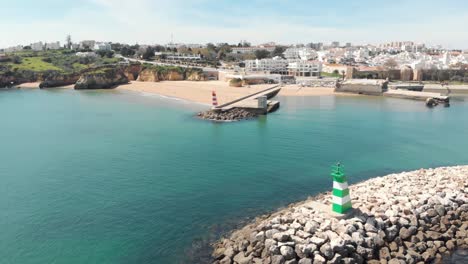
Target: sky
x=257 y=21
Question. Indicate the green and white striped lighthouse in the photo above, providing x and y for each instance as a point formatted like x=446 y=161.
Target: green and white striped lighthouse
x=341 y=199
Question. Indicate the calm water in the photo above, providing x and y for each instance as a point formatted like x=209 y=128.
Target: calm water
x=115 y=177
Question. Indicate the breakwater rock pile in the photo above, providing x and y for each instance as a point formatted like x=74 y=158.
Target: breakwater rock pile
x=234 y=114
x=411 y=217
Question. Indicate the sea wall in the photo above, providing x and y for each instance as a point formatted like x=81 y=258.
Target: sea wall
x=410 y=217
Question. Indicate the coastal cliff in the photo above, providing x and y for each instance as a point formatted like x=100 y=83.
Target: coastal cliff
x=105 y=78
x=159 y=73
x=57 y=79
x=411 y=217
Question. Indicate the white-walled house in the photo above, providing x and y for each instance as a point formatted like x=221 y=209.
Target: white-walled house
x=38 y=46
x=102 y=46
x=302 y=53
x=53 y=45
x=301 y=68
x=274 y=65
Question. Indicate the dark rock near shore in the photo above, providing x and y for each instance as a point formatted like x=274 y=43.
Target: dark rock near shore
x=234 y=114
x=57 y=79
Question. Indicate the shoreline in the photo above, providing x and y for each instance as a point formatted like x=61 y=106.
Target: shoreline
x=200 y=92
x=35 y=85
x=412 y=216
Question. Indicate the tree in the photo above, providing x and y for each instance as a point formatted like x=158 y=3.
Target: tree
x=391 y=64
x=126 y=51
x=16 y=59
x=148 y=54
x=211 y=47
x=279 y=50
x=261 y=54
x=68 y=42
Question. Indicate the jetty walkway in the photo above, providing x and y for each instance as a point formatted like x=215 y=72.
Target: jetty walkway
x=251 y=101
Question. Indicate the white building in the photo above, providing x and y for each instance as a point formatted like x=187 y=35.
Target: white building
x=14 y=49
x=179 y=56
x=53 y=45
x=304 y=68
x=249 y=50
x=275 y=65
x=86 y=54
x=38 y=46
x=102 y=46
x=300 y=53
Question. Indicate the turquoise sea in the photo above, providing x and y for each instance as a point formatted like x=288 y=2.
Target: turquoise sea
x=120 y=177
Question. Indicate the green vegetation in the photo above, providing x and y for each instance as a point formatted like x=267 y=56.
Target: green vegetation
x=335 y=74
x=63 y=61
x=36 y=64
x=236 y=82
x=262 y=54
x=163 y=69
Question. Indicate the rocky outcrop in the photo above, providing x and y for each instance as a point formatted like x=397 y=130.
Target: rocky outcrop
x=148 y=75
x=172 y=75
x=234 y=114
x=411 y=217
x=196 y=76
x=57 y=79
x=235 y=82
x=103 y=78
x=133 y=71
x=9 y=78
x=156 y=75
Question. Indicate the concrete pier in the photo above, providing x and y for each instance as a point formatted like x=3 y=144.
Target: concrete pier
x=254 y=102
x=422 y=96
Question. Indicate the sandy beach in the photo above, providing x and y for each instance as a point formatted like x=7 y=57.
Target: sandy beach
x=35 y=85
x=200 y=92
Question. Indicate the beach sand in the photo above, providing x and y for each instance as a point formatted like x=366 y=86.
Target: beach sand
x=200 y=92
x=35 y=85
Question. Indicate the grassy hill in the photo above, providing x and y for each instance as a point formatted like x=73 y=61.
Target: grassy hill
x=63 y=61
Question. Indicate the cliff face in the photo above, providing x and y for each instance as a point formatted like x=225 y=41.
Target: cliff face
x=148 y=75
x=56 y=79
x=171 y=75
x=196 y=76
x=133 y=71
x=153 y=75
x=8 y=78
x=156 y=75
x=101 y=79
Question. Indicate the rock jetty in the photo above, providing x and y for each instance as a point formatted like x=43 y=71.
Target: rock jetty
x=234 y=114
x=410 y=217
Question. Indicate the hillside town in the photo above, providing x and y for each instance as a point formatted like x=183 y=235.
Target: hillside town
x=300 y=60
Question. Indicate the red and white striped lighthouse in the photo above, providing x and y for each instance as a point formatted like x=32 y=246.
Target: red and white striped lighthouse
x=214 y=99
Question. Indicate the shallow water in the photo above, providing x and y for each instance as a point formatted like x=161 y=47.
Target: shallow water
x=116 y=177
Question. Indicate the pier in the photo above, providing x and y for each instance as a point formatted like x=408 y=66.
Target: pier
x=422 y=96
x=257 y=102
x=246 y=107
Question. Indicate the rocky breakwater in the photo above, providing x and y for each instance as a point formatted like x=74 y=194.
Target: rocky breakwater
x=101 y=78
x=411 y=217
x=234 y=114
